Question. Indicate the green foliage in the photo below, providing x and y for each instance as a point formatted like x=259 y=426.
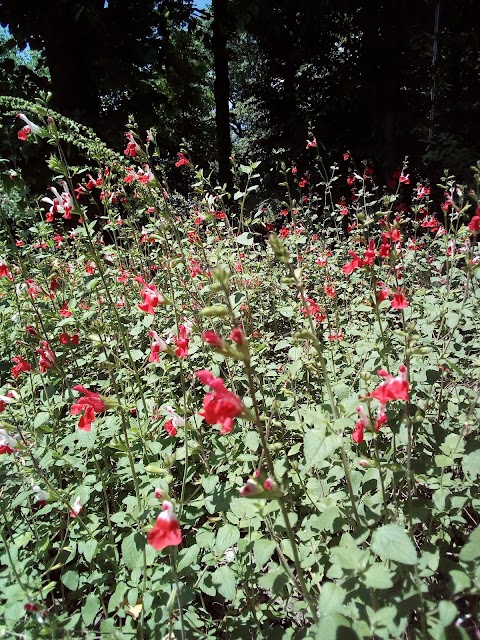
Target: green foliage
x=291 y=528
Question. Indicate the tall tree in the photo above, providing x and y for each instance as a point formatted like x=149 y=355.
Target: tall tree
x=222 y=92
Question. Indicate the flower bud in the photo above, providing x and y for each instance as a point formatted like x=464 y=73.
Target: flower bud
x=251 y=488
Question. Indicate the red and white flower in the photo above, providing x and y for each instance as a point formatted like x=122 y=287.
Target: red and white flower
x=221 y=406
x=166 y=531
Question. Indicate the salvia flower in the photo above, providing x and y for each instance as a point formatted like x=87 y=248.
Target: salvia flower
x=158 y=345
x=76 y=508
x=132 y=149
x=355 y=263
x=213 y=339
x=182 y=341
x=151 y=299
x=5 y=271
x=29 y=128
x=399 y=301
x=91 y=404
x=166 y=531
x=221 y=406
x=8 y=443
x=41 y=496
x=47 y=357
x=182 y=160
x=393 y=388
x=20 y=365
x=251 y=489
x=175 y=421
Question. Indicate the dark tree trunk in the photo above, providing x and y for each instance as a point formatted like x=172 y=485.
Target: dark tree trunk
x=221 y=89
x=69 y=49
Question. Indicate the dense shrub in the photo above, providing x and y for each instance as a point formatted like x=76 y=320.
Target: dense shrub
x=208 y=435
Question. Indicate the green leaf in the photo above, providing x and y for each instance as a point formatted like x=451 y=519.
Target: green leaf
x=187 y=557
x=40 y=419
x=274 y=581
x=227 y=537
x=132 y=550
x=444 y=461
x=117 y=597
x=318 y=446
x=225 y=582
x=252 y=440
x=90 y=609
x=286 y=312
x=471 y=550
x=447 y=612
x=391 y=542
x=70 y=580
x=245 y=238
x=334 y=627
x=262 y=551
x=471 y=464
x=88 y=549
x=378 y=577
x=461 y=581
x=331 y=599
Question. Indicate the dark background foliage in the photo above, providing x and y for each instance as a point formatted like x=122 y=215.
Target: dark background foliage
x=381 y=79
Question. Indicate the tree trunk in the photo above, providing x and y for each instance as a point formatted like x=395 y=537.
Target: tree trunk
x=221 y=89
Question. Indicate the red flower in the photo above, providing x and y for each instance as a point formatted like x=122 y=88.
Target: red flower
x=7 y=443
x=182 y=342
x=423 y=192
x=399 y=301
x=182 y=159
x=64 y=312
x=170 y=428
x=357 y=434
x=175 y=421
x=77 y=507
x=356 y=263
x=237 y=336
x=47 y=357
x=90 y=267
x=311 y=143
x=20 y=365
x=330 y=291
x=384 y=250
x=384 y=292
x=92 y=398
x=369 y=257
x=85 y=422
x=303 y=183
x=24 y=133
x=166 y=532
x=221 y=406
x=474 y=225
x=393 y=388
x=158 y=345
x=92 y=403
x=5 y=271
x=151 y=299
x=346 y=156
x=213 y=339
x=132 y=147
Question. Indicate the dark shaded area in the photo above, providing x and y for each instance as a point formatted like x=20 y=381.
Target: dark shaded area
x=384 y=80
